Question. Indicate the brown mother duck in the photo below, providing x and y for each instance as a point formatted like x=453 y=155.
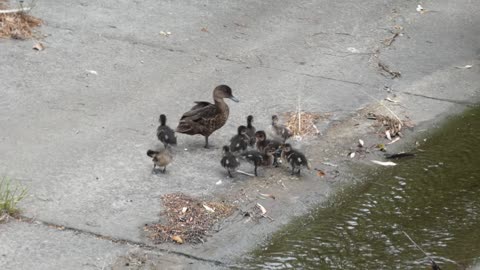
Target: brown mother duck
x=204 y=118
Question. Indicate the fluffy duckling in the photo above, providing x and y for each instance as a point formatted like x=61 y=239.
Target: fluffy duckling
x=160 y=158
x=164 y=133
x=240 y=141
x=263 y=143
x=260 y=159
x=229 y=161
x=280 y=130
x=294 y=158
x=204 y=118
x=251 y=130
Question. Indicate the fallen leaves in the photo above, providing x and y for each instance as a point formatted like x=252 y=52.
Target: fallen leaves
x=188 y=220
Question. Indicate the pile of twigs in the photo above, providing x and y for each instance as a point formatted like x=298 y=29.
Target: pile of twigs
x=188 y=219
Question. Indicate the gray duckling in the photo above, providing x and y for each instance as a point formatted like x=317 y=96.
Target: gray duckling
x=295 y=158
x=251 y=130
x=164 y=133
x=229 y=161
x=280 y=130
x=239 y=142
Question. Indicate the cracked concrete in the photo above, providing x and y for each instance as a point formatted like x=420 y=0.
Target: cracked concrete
x=78 y=140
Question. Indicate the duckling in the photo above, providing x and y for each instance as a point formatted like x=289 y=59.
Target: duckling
x=294 y=157
x=204 y=118
x=280 y=130
x=160 y=158
x=263 y=142
x=164 y=133
x=251 y=130
x=229 y=161
x=240 y=141
x=259 y=159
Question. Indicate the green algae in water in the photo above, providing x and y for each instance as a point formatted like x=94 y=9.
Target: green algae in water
x=434 y=197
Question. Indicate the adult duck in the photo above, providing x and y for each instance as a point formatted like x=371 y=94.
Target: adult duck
x=204 y=118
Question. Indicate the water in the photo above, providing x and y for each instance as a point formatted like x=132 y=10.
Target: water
x=434 y=197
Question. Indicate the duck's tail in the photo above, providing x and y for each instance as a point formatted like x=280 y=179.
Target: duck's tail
x=151 y=153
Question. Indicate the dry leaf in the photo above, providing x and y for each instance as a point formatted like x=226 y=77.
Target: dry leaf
x=391 y=100
x=264 y=211
x=267 y=195
x=177 y=239
x=92 y=72
x=394 y=140
x=38 y=46
x=320 y=173
x=384 y=163
x=360 y=143
x=465 y=67
x=204 y=30
x=351 y=154
x=184 y=209
x=387 y=133
x=209 y=209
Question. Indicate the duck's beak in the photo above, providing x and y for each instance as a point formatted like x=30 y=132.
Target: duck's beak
x=234 y=99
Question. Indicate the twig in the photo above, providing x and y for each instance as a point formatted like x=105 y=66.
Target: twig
x=389 y=41
x=16 y=10
x=417 y=246
x=394 y=74
x=245 y=173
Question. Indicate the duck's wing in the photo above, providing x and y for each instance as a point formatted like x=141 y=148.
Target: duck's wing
x=199 y=111
x=200 y=104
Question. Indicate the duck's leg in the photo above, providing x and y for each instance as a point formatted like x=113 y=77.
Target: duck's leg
x=154 y=166
x=293 y=169
x=299 y=168
x=206 y=142
x=256 y=165
x=229 y=173
x=164 y=169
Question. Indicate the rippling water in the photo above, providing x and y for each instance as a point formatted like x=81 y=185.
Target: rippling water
x=434 y=197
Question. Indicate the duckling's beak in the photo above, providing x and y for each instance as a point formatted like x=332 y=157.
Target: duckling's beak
x=234 y=99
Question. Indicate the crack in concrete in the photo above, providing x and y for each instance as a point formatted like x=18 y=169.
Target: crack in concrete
x=119 y=240
x=439 y=99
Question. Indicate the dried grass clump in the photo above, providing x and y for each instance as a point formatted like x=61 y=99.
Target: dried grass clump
x=303 y=123
x=188 y=220
x=18 y=25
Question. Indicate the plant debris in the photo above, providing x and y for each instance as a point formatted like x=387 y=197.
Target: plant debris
x=303 y=123
x=187 y=226
x=464 y=67
x=392 y=126
x=267 y=195
x=384 y=163
x=394 y=74
x=38 y=46
x=17 y=24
